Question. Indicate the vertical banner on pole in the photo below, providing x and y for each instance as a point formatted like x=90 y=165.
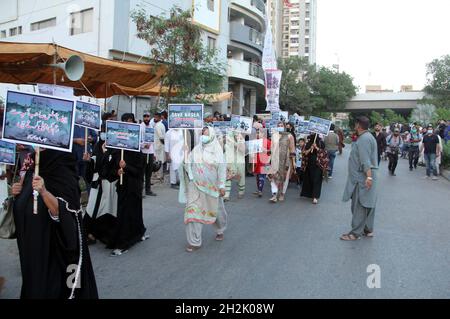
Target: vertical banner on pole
x=273 y=82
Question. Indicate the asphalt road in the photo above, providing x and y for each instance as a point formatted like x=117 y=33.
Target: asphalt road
x=284 y=250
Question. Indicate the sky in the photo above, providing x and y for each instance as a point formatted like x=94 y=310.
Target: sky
x=383 y=42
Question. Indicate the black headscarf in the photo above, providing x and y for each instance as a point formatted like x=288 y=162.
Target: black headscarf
x=58 y=169
x=311 y=138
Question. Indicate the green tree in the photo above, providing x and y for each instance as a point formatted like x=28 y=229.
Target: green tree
x=438 y=82
x=305 y=90
x=392 y=117
x=441 y=113
x=333 y=90
x=376 y=117
x=423 y=113
x=176 y=42
x=296 y=85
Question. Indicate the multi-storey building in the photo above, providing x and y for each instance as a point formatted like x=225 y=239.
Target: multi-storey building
x=104 y=28
x=298 y=29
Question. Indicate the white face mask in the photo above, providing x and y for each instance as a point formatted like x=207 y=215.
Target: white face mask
x=430 y=131
x=103 y=136
x=204 y=139
x=280 y=129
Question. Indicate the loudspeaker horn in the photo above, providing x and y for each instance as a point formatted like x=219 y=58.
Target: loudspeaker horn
x=73 y=67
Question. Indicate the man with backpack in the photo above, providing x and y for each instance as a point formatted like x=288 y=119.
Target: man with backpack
x=394 y=145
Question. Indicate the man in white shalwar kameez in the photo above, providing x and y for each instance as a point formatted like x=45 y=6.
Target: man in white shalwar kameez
x=173 y=146
x=160 y=132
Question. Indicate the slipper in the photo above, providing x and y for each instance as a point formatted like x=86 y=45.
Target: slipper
x=118 y=252
x=190 y=248
x=219 y=237
x=349 y=237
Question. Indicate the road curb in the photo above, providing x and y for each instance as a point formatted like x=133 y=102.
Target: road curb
x=446 y=174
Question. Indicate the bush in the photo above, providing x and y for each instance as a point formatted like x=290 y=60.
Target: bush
x=446 y=156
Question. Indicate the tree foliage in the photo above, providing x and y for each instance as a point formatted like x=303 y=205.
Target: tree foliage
x=175 y=41
x=306 y=90
x=438 y=82
x=386 y=118
x=423 y=114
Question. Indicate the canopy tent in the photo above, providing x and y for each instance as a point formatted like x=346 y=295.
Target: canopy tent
x=117 y=89
x=215 y=97
x=26 y=63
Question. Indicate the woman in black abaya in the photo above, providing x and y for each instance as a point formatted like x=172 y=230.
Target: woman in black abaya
x=130 y=224
x=54 y=257
x=314 y=166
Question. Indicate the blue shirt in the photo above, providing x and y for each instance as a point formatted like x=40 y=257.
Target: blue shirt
x=447 y=133
x=166 y=124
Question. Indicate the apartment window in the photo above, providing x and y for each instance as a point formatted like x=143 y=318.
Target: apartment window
x=12 y=32
x=19 y=30
x=295 y=23
x=210 y=4
x=307 y=14
x=3 y=34
x=82 y=21
x=286 y=28
x=211 y=44
x=43 y=24
x=307 y=41
x=307 y=24
x=306 y=49
x=306 y=31
x=286 y=45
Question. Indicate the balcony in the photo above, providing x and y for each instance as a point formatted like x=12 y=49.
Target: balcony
x=259 y=4
x=246 y=35
x=246 y=71
x=256 y=6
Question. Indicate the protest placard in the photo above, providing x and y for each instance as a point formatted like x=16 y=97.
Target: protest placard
x=255 y=146
x=319 y=125
x=280 y=116
x=302 y=127
x=88 y=115
x=149 y=135
x=185 y=116
x=123 y=135
x=39 y=120
x=221 y=127
x=56 y=90
x=242 y=124
x=7 y=153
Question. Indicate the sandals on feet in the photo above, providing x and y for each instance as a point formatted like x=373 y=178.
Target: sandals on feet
x=190 y=248
x=368 y=234
x=349 y=237
x=219 y=237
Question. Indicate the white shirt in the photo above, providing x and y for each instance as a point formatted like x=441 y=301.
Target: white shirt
x=173 y=144
x=143 y=149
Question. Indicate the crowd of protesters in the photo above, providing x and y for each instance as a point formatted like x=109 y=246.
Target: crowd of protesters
x=203 y=165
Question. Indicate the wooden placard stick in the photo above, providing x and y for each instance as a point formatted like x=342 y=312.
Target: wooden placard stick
x=121 y=175
x=36 y=173
x=185 y=145
x=85 y=140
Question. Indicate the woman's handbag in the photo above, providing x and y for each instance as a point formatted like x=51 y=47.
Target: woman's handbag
x=7 y=225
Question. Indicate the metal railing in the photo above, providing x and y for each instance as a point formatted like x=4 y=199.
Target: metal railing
x=255 y=70
x=259 y=4
x=245 y=34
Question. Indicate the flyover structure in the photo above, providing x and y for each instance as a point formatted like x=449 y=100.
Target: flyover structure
x=400 y=102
